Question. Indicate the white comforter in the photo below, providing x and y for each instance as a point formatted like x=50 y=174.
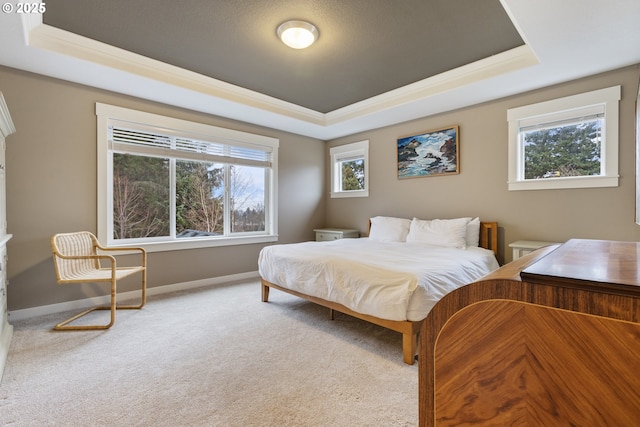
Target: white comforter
x=393 y=281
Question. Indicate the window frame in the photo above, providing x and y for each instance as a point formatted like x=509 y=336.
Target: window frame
x=341 y=153
x=107 y=115
x=571 y=107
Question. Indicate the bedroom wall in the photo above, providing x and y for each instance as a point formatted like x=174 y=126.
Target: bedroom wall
x=51 y=182
x=51 y=187
x=481 y=187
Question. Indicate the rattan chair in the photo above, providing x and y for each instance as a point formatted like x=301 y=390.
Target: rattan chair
x=78 y=258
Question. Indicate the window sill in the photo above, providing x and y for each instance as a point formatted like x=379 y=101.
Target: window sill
x=565 y=182
x=198 y=243
x=350 y=194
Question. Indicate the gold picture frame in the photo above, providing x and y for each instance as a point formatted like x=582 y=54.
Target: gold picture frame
x=432 y=153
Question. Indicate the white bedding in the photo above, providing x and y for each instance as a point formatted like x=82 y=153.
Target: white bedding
x=389 y=280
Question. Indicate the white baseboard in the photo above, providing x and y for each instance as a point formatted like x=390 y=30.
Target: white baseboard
x=27 y=313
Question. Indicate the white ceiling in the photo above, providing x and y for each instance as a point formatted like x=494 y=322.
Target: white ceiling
x=564 y=40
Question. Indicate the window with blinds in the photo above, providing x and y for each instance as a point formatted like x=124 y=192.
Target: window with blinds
x=570 y=142
x=170 y=183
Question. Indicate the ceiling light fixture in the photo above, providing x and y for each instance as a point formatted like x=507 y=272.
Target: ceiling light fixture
x=297 y=34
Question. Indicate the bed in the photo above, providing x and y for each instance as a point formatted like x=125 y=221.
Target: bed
x=391 y=278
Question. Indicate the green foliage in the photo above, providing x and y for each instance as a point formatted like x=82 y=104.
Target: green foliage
x=142 y=200
x=563 y=151
x=353 y=175
x=140 y=196
x=197 y=207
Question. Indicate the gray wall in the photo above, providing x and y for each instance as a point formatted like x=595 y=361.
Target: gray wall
x=51 y=187
x=481 y=187
x=51 y=182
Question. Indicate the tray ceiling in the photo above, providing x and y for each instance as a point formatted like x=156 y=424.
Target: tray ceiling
x=376 y=63
x=366 y=47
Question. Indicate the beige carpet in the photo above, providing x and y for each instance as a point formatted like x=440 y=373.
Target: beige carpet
x=210 y=357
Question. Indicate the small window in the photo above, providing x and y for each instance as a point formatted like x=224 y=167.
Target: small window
x=350 y=170
x=569 y=142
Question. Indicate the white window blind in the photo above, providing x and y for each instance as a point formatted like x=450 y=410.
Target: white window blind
x=538 y=125
x=159 y=142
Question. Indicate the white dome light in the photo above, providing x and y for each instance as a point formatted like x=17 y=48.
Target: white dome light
x=297 y=34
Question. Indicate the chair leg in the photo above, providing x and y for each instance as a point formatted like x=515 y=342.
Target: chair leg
x=143 y=295
x=63 y=326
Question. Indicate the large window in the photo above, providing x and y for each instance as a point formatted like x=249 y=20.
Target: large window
x=570 y=142
x=350 y=170
x=168 y=184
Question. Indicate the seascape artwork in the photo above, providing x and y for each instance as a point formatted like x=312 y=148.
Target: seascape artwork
x=428 y=154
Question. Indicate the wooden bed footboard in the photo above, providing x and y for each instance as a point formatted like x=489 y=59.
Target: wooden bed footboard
x=409 y=330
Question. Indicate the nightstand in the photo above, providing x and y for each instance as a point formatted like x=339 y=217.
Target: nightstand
x=325 y=234
x=523 y=247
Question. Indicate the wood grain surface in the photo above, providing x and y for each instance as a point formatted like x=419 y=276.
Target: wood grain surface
x=512 y=363
x=542 y=350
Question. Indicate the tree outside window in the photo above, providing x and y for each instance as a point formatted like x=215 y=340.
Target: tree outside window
x=563 y=151
x=172 y=184
x=350 y=170
x=140 y=196
x=569 y=142
x=352 y=175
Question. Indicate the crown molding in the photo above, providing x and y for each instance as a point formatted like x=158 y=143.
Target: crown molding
x=493 y=66
x=64 y=42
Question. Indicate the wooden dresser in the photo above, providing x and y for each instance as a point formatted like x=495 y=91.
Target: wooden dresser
x=551 y=339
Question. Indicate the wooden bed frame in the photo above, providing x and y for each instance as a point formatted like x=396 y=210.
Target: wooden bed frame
x=408 y=329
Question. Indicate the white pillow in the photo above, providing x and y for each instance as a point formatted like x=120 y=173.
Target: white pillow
x=389 y=229
x=473 y=232
x=439 y=232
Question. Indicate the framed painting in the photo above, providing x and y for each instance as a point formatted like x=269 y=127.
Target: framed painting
x=431 y=153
